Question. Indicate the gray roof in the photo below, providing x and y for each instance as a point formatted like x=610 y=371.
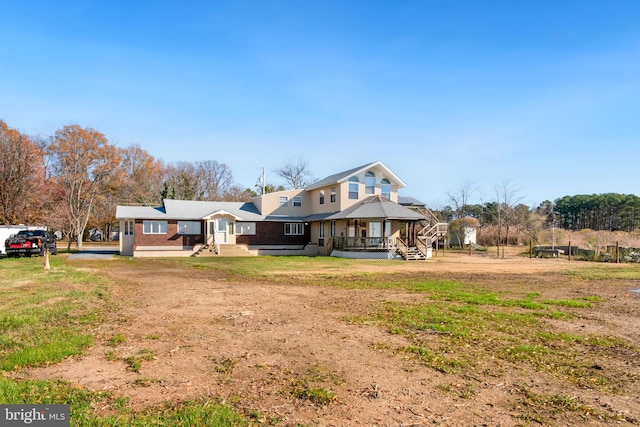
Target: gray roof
x=409 y=201
x=377 y=207
x=190 y=210
x=345 y=175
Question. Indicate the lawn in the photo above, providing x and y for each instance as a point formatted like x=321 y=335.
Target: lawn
x=312 y=341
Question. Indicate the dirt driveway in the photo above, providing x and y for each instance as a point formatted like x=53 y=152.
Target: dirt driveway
x=265 y=347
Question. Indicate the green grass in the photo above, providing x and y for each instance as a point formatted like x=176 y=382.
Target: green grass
x=46 y=316
x=81 y=402
x=598 y=271
x=458 y=327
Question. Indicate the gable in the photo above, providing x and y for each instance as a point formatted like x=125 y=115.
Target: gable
x=379 y=169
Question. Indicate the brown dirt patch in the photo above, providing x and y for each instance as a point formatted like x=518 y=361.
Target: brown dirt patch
x=255 y=345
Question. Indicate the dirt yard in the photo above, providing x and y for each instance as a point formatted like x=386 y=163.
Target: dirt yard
x=256 y=345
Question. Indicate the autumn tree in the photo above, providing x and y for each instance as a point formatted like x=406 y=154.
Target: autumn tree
x=82 y=161
x=22 y=178
x=296 y=173
x=139 y=176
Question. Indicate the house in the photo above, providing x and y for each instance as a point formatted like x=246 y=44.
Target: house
x=353 y=214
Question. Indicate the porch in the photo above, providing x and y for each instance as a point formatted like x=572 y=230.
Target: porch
x=371 y=244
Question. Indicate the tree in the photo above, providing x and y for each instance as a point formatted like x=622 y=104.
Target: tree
x=203 y=180
x=462 y=228
x=181 y=182
x=82 y=161
x=506 y=197
x=460 y=199
x=22 y=178
x=140 y=177
x=214 y=179
x=295 y=173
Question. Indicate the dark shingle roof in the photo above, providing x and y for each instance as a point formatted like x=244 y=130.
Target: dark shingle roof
x=377 y=207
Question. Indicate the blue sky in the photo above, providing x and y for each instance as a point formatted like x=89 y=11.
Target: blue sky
x=544 y=95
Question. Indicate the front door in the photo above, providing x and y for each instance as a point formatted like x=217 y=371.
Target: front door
x=222 y=233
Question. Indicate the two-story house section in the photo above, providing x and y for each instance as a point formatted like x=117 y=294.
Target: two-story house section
x=354 y=213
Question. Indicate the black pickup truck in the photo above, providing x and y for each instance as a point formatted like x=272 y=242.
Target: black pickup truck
x=30 y=242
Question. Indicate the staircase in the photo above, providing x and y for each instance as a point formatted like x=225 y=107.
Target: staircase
x=414 y=254
x=410 y=253
x=205 y=250
x=223 y=250
x=432 y=229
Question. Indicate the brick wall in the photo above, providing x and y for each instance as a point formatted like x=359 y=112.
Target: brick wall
x=172 y=238
x=272 y=233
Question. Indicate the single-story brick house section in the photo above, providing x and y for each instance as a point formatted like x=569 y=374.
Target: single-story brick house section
x=354 y=213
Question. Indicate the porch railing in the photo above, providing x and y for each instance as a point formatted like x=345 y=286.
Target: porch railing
x=363 y=243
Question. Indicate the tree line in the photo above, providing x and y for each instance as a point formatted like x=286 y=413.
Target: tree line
x=72 y=180
x=505 y=219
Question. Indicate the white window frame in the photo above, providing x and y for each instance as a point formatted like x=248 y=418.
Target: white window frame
x=354 y=185
x=190 y=227
x=246 y=228
x=129 y=226
x=375 y=229
x=332 y=229
x=283 y=200
x=333 y=195
x=154 y=227
x=294 y=229
x=385 y=188
x=321 y=232
x=369 y=183
x=322 y=197
x=297 y=201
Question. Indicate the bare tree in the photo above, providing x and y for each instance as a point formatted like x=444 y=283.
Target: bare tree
x=460 y=199
x=82 y=162
x=214 y=179
x=507 y=198
x=295 y=173
x=204 y=180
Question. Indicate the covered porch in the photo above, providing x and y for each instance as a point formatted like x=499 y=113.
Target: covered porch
x=377 y=228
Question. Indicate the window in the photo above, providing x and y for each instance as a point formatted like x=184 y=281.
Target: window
x=246 y=228
x=297 y=201
x=189 y=227
x=375 y=229
x=387 y=229
x=284 y=200
x=154 y=227
x=333 y=194
x=385 y=188
x=322 y=197
x=353 y=188
x=333 y=228
x=294 y=229
x=128 y=228
x=322 y=229
x=369 y=183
